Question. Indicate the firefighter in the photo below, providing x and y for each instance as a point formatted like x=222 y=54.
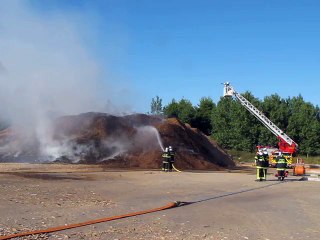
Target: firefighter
x=265 y=153
x=266 y=161
x=171 y=159
x=261 y=166
x=281 y=165
x=165 y=160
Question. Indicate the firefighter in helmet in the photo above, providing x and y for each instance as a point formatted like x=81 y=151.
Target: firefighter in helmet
x=266 y=160
x=171 y=159
x=281 y=165
x=165 y=160
x=262 y=165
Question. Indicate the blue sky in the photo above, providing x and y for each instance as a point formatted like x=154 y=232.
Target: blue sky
x=186 y=48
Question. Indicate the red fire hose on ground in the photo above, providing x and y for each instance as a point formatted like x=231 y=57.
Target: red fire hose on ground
x=75 y=225
x=168 y=206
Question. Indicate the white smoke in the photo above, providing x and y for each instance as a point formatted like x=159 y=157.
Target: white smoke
x=45 y=71
x=146 y=138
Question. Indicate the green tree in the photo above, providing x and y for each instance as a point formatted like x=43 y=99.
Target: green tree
x=182 y=110
x=245 y=126
x=277 y=110
x=186 y=111
x=172 y=109
x=303 y=125
x=202 y=119
x=311 y=144
x=156 y=106
x=233 y=127
x=221 y=122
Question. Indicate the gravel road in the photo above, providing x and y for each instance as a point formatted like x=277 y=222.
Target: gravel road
x=221 y=205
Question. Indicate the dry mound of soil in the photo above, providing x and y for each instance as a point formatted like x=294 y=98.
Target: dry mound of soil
x=132 y=141
x=194 y=149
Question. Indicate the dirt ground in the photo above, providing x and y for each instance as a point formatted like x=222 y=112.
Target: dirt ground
x=223 y=205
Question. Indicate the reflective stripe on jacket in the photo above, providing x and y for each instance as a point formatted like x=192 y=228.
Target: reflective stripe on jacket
x=281 y=163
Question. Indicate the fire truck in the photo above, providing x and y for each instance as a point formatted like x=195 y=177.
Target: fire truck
x=286 y=145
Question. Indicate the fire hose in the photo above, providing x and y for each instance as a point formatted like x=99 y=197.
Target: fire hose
x=177 y=170
x=168 y=206
x=75 y=225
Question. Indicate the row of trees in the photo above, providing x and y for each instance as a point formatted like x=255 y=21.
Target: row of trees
x=233 y=127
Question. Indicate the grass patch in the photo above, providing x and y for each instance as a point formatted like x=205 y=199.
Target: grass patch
x=309 y=159
x=240 y=156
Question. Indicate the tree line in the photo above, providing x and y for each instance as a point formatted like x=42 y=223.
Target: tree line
x=233 y=127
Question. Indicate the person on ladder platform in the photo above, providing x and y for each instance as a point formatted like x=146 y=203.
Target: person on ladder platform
x=261 y=165
x=171 y=159
x=281 y=165
x=165 y=160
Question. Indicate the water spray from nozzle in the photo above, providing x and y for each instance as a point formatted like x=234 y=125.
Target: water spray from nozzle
x=158 y=138
x=150 y=131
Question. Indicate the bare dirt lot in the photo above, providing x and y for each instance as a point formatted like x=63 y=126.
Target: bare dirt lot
x=223 y=205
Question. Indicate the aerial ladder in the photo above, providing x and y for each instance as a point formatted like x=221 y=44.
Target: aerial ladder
x=286 y=144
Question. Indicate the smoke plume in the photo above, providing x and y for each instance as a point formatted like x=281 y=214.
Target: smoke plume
x=45 y=72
